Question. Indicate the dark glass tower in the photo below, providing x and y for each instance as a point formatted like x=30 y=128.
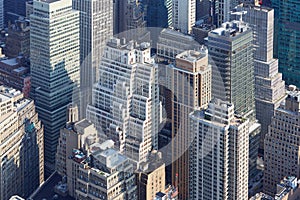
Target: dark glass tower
x=287 y=39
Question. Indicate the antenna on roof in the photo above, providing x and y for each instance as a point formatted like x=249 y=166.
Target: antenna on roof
x=241 y=13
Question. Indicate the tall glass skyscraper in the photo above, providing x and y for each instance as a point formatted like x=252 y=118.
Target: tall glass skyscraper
x=287 y=39
x=231 y=56
x=55 y=61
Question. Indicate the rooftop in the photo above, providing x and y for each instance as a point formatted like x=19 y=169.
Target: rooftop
x=192 y=56
x=11 y=62
x=113 y=157
x=231 y=29
x=174 y=33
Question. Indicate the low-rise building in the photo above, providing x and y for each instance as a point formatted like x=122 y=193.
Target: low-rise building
x=93 y=170
x=15 y=73
x=151 y=176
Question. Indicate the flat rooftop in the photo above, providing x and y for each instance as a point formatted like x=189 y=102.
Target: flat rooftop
x=3 y=98
x=231 y=29
x=10 y=62
x=191 y=56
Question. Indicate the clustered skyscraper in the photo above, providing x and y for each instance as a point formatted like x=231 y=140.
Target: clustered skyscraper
x=103 y=94
x=55 y=65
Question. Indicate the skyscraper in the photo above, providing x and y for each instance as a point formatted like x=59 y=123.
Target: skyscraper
x=282 y=143
x=125 y=105
x=190 y=83
x=96 y=27
x=21 y=144
x=231 y=56
x=54 y=40
x=156 y=13
x=168 y=4
x=286 y=40
x=218 y=164
x=269 y=87
x=184 y=15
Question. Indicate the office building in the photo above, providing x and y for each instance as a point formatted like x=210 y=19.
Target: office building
x=125 y=105
x=13 y=10
x=171 y=43
x=286 y=39
x=18 y=39
x=55 y=80
x=96 y=27
x=151 y=176
x=231 y=55
x=233 y=77
x=221 y=9
x=218 y=163
x=29 y=9
x=21 y=144
x=168 y=4
x=269 y=86
x=282 y=143
x=190 y=82
x=156 y=13
x=184 y=15
x=15 y=73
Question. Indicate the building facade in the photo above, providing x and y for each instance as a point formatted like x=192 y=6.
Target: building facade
x=282 y=143
x=286 y=40
x=184 y=15
x=21 y=144
x=190 y=83
x=218 y=164
x=171 y=43
x=15 y=73
x=269 y=86
x=156 y=13
x=96 y=28
x=18 y=39
x=231 y=56
x=151 y=176
x=125 y=105
x=55 y=75
x=93 y=170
